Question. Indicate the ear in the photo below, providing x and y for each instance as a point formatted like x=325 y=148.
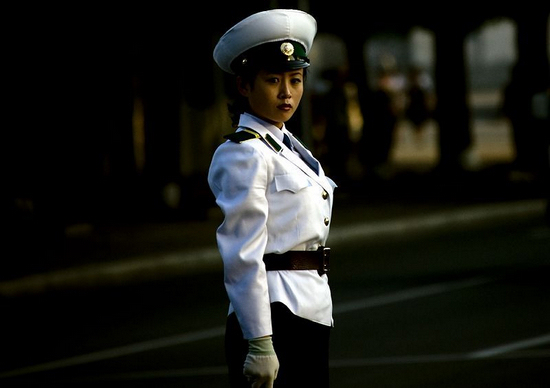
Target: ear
x=243 y=86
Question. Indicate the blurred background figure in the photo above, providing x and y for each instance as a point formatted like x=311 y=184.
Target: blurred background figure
x=380 y=121
x=336 y=141
x=516 y=108
x=526 y=108
x=419 y=99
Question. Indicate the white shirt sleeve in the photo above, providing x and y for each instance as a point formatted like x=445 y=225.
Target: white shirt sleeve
x=238 y=179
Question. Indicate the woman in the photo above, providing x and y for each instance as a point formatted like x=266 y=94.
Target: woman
x=277 y=204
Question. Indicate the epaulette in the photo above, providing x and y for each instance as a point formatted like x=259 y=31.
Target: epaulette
x=244 y=135
x=276 y=147
x=249 y=134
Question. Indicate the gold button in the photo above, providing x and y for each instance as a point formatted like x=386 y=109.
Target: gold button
x=326 y=221
x=325 y=194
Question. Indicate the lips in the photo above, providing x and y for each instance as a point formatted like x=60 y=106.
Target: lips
x=285 y=107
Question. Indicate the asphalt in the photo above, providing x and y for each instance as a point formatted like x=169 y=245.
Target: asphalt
x=119 y=253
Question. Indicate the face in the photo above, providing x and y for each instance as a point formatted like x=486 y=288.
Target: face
x=274 y=97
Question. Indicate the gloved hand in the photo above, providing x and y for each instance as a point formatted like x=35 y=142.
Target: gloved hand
x=261 y=365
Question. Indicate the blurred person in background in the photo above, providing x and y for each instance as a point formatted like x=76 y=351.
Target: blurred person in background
x=418 y=110
x=336 y=139
x=380 y=122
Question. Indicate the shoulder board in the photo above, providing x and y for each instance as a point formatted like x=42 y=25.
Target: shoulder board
x=273 y=143
x=249 y=134
x=244 y=135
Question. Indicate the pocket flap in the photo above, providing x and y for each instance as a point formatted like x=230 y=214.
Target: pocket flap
x=291 y=182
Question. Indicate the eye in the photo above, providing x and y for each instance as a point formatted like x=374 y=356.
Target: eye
x=273 y=80
x=296 y=80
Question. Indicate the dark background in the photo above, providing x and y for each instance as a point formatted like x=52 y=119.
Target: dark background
x=111 y=118
x=117 y=111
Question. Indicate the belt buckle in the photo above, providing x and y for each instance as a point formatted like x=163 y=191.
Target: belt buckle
x=324 y=267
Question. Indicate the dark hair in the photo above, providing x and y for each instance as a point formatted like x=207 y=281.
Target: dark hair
x=239 y=104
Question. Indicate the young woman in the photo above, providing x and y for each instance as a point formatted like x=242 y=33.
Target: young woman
x=277 y=204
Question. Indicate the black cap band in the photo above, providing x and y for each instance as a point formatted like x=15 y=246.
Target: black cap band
x=274 y=56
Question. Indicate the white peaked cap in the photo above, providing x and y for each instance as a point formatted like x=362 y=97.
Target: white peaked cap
x=265 y=27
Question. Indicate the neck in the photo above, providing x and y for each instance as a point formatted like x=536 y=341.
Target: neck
x=275 y=123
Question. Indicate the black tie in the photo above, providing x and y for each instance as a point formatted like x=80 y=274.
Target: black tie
x=288 y=143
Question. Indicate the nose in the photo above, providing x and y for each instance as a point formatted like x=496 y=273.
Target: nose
x=284 y=91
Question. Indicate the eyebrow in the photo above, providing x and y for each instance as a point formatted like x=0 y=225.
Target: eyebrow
x=291 y=74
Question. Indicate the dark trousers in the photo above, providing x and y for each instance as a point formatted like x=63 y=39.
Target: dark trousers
x=301 y=347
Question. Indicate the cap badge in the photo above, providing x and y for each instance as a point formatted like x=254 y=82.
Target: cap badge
x=287 y=49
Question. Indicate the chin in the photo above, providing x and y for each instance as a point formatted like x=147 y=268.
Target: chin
x=285 y=117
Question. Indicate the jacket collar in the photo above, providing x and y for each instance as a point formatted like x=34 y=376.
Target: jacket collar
x=261 y=126
x=264 y=129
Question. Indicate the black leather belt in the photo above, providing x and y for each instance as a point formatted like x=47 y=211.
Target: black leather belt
x=299 y=260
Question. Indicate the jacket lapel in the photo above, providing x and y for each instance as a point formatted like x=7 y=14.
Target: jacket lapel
x=285 y=152
x=299 y=162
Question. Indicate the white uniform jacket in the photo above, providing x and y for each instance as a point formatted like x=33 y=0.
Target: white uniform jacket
x=272 y=203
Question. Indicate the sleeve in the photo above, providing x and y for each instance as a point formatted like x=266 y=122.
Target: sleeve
x=238 y=179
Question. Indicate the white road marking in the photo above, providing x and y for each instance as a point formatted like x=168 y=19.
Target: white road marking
x=493 y=352
x=498 y=351
x=334 y=364
x=379 y=300
x=413 y=293
x=208 y=259
x=150 y=374
x=120 y=351
x=444 y=218
x=421 y=359
x=119 y=272
x=507 y=348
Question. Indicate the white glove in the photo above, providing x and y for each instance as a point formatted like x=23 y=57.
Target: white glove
x=261 y=364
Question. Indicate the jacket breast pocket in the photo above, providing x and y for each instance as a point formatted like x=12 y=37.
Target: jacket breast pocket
x=291 y=182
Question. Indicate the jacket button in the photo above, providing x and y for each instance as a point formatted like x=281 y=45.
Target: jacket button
x=325 y=194
x=326 y=221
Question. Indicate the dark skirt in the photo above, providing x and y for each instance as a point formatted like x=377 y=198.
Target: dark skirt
x=302 y=347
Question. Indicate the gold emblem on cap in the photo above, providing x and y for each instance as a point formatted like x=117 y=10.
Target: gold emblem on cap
x=287 y=49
